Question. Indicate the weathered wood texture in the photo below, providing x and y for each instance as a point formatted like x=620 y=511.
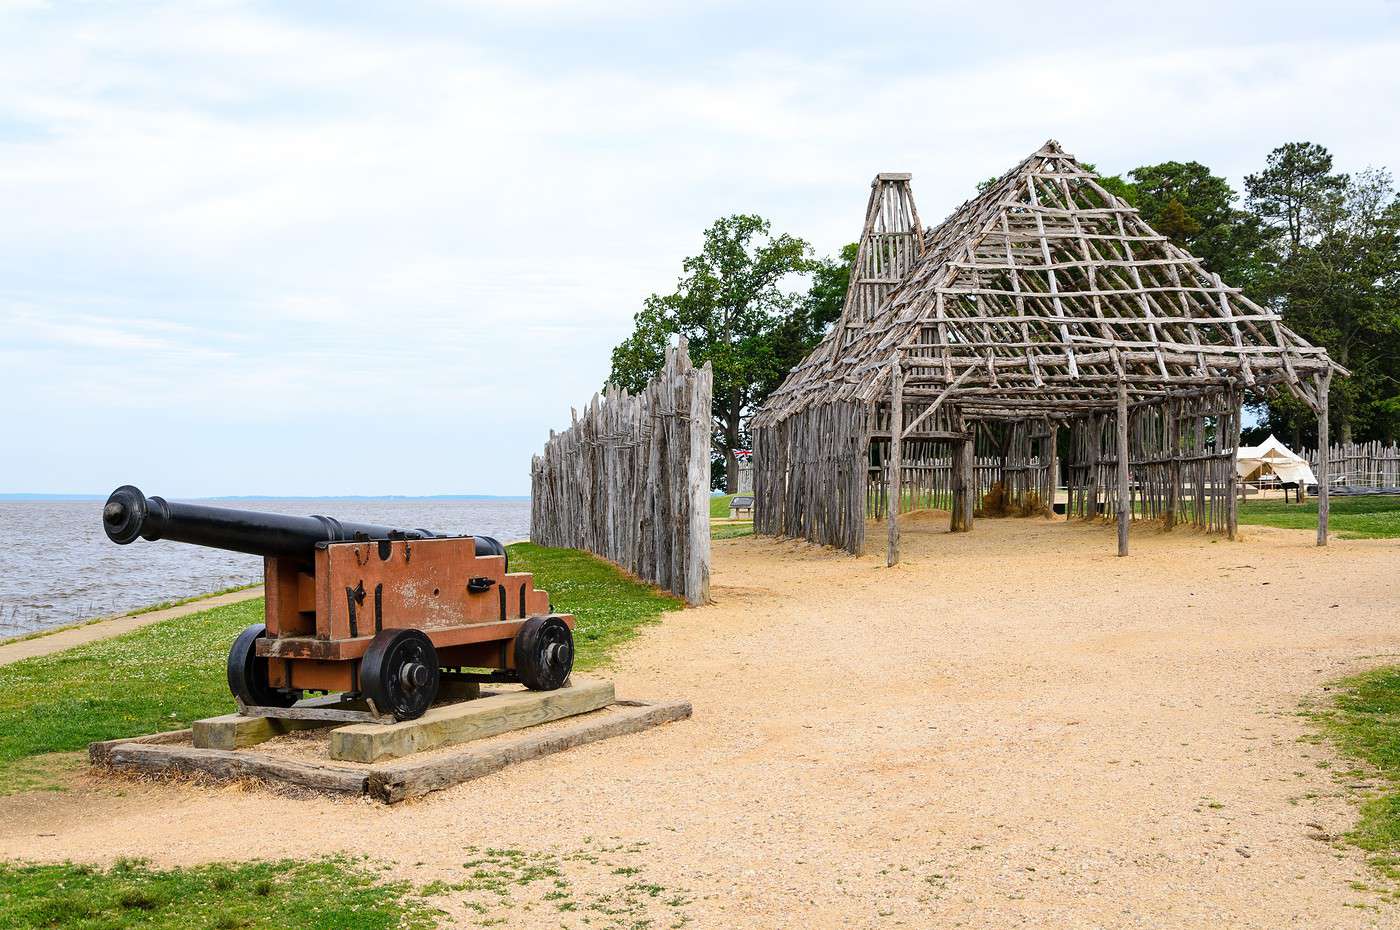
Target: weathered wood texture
x=1016 y=455
x=467 y=721
x=235 y=731
x=1360 y=465
x=1324 y=473
x=1181 y=462
x=809 y=476
x=231 y=765
x=1030 y=307
x=397 y=781
x=165 y=754
x=629 y=480
x=896 y=494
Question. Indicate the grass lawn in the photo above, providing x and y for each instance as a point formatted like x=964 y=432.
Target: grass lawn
x=1348 y=517
x=731 y=530
x=719 y=504
x=1363 y=722
x=328 y=894
x=719 y=509
x=608 y=605
x=168 y=674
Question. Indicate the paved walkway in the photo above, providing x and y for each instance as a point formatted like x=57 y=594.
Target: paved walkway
x=103 y=629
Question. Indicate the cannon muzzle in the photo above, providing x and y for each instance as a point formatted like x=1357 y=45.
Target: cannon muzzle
x=130 y=513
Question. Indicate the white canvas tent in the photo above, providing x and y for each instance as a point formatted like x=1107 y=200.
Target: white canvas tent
x=1272 y=457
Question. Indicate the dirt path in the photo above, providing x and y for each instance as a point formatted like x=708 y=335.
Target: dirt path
x=1012 y=728
x=105 y=629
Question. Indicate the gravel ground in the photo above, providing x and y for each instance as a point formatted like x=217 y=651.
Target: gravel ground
x=1012 y=728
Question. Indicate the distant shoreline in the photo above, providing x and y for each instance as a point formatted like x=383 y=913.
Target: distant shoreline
x=16 y=497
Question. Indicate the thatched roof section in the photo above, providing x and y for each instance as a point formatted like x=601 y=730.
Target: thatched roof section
x=1039 y=296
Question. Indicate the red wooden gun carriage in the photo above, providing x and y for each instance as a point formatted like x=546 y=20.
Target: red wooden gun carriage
x=371 y=612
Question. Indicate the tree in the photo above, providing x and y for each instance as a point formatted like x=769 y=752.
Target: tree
x=734 y=307
x=1340 y=289
x=1297 y=180
x=1332 y=268
x=796 y=334
x=1196 y=209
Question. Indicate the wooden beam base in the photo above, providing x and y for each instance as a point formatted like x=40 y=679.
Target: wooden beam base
x=460 y=723
x=393 y=782
x=236 y=731
x=172 y=754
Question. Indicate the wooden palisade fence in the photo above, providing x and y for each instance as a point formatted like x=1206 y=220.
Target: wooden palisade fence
x=630 y=479
x=1360 y=464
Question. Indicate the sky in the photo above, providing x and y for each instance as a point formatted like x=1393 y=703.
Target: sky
x=325 y=248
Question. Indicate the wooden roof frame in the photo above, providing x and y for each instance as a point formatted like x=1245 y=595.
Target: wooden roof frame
x=1040 y=296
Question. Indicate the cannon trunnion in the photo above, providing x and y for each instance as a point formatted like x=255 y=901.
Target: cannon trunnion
x=370 y=612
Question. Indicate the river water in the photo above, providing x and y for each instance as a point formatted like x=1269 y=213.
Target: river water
x=57 y=565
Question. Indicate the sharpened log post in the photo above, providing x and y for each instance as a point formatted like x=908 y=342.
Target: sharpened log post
x=1324 y=464
x=1232 y=516
x=895 y=464
x=963 y=481
x=1173 y=432
x=969 y=460
x=1124 y=499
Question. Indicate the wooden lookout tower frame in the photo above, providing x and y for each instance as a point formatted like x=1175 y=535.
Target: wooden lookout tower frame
x=1045 y=303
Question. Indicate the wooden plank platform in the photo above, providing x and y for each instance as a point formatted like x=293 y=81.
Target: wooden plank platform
x=393 y=782
x=237 y=731
x=460 y=723
x=390 y=782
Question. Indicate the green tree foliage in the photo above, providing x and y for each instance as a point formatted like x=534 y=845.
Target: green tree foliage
x=1318 y=246
x=1297 y=180
x=1333 y=269
x=1196 y=209
x=735 y=305
x=797 y=333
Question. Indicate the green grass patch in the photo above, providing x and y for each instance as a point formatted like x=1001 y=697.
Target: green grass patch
x=165 y=605
x=1349 y=517
x=39 y=634
x=731 y=530
x=719 y=504
x=166 y=675
x=160 y=677
x=327 y=894
x=170 y=673
x=604 y=886
x=1363 y=722
x=608 y=605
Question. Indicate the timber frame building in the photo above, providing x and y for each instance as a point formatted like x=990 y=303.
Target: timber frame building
x=1045 y=303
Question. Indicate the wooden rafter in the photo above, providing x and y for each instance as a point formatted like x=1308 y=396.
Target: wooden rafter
x=1048 y=276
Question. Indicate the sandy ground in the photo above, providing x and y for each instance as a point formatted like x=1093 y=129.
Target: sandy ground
x=1012 y=728
x=115 y=626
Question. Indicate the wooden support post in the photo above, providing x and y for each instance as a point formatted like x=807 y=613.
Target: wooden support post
x=1232 y=516
x=1124 y=500
x=895 y=464
x=1173 y=433
x=697 y=546
x=957 y=480
x=1324 y=477
x=968 y=453
x=962 y=480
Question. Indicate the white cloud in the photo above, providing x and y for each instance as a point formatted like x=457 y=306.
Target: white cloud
x=334 y=216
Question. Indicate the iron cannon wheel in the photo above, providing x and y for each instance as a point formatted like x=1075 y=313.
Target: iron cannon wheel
x=544 y=653
x=400 y=673
x=247 y=673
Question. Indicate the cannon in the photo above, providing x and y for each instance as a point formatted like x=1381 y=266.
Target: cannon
x=375 y=614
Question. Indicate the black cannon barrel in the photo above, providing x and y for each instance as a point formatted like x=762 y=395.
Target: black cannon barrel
x=130 y=513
